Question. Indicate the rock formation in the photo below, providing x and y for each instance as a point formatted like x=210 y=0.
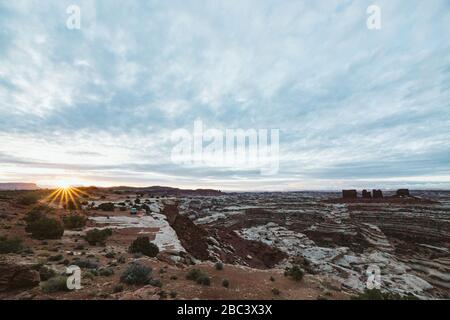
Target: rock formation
x=349 y=194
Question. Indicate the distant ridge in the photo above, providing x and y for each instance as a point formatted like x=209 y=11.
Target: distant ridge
x=167 y=191
x=18 y=186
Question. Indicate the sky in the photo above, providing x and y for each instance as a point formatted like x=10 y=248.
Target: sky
x=98 y=105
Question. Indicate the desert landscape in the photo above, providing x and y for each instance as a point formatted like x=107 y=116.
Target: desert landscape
x=166 y=243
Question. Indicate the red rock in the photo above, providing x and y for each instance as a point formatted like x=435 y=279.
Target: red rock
x=15 y=277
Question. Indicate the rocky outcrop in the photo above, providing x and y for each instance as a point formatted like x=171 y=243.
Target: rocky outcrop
x=15 y=277
x=349 y=194
x=193 y=238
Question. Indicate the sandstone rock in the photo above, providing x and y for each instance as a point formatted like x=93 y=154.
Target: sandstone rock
x=377 y=194
x=349 y=194
x=366 y=194
x=15 y=276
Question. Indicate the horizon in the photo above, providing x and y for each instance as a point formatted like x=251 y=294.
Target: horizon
x=98 y=101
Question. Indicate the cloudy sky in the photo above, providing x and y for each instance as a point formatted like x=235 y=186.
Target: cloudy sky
x=98 y=105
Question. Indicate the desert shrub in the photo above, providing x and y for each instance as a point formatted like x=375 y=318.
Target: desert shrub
x=74 y=221
x=173 y=294
x=118 y=288
x=136 y=274
x=144 y=246
x=193 y=274
x=45 y=228
x=13 y=245
x=108 y=206
x=295 y=273
x=219 y=266
x=272 y=279
x=97 y=236
x=28 y=199
x=110 y=255
x=204 y=280
x=225 y=283
x=376 y=294
x=57 y=257
x=173 y=278
x=275 y=292
x=85 y=263
x=55 y=284
x=156 y=283
x=106 y=272
x=46 y=273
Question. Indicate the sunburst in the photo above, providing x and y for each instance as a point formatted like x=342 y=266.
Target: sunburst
x=66 y=195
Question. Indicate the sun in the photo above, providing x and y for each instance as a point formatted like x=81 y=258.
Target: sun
x=66 y=196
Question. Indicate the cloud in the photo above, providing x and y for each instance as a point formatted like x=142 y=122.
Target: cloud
x=352 y=105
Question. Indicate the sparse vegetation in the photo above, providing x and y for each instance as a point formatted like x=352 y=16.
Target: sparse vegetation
x=13 y=245
x=97 y=236
x=108 y=206
x=136 y=274
x=225 y=283
x=156 y=283
x=106 y=272
x=118 y=288
x=57 y=257
x=144 y=246
x=74 y=221
x=46 y=273
x=199 y=276
x=55 y=284
x=45 y=228
x=295 y=273
x=28 y=199
x=276 y=292
x=376 y=294
x=219 y=266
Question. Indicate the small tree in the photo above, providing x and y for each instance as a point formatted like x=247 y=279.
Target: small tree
x=45 y=228
x=144 y=246
x=136 y=274
x=97 y=236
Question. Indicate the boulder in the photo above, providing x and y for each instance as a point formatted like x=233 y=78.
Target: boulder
x=15 y=277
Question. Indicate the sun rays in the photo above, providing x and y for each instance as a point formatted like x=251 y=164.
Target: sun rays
x=66 y=196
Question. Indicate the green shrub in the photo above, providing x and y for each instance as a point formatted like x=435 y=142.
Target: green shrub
x=46 y=273
x=85 y=263
x=28 y=199
x=55 y=284
x=194 y=274
x=57 y=257
x=45 y=228
x=198 y=276
x=225 y=283
x=118 y=288
x=295 y=273
x=219 y=266
x=136 y=274
x=106 y=272
x=376 y=294
x=204 y=280
x=144 y=246
x=108 y=206
x=97 y=236
x=74 y=221
x=156 y=283
x=13 y=245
